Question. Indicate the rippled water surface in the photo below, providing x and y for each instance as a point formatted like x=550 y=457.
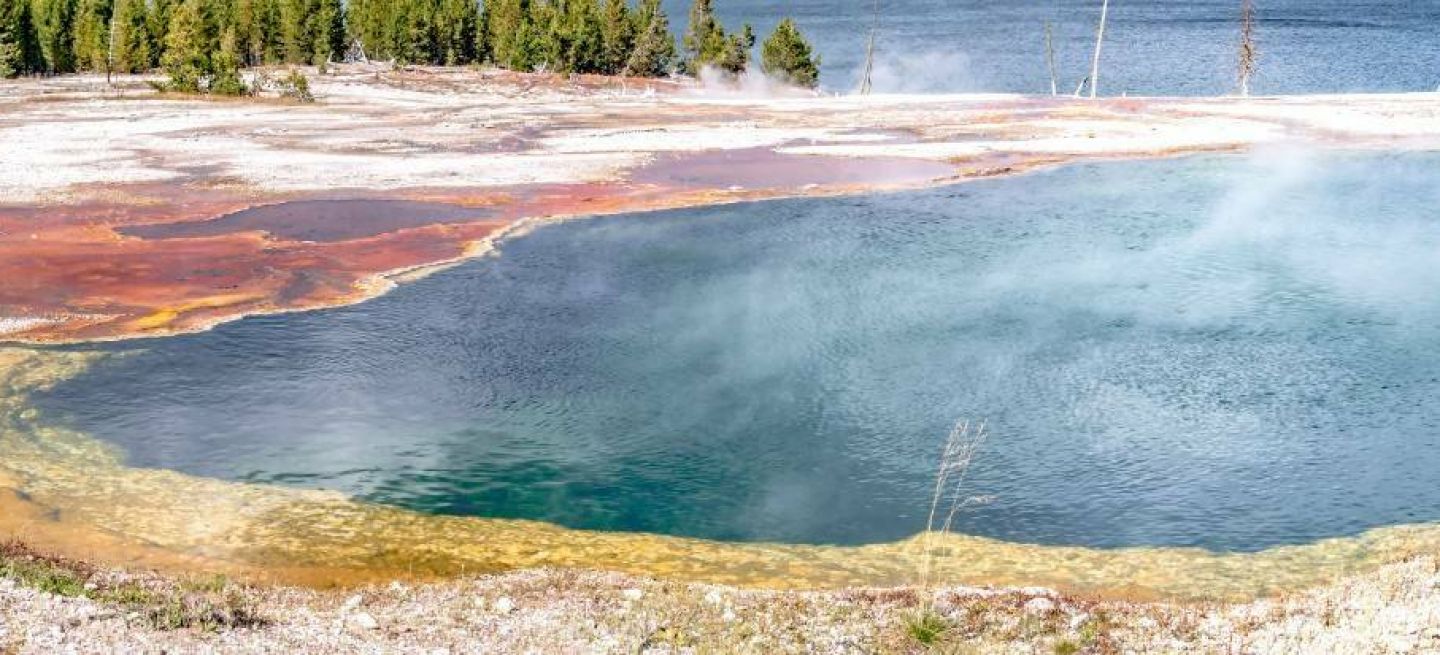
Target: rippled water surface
x=1225 y=352
x=1152 y=47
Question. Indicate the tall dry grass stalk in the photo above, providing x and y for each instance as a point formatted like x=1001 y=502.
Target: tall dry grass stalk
x=949 y=496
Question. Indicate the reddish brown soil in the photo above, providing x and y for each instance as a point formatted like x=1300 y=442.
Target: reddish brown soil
x=160 y=259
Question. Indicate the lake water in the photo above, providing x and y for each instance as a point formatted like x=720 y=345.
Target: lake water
x=1246 y=353
x=1152 y=47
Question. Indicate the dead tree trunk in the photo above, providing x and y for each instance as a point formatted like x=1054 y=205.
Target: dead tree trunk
x=110 y=50
x=1247 y=45
x=1050 y=57
x=870 y=49
x=869 y=65
x=1099 y=40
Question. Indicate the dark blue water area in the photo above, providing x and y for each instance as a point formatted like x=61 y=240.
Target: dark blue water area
x=1152 y=47
x=1228 y=352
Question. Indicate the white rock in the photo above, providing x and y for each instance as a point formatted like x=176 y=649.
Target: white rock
x=632 y=594
x=729 y=616
x=1039 y=606
x=714 y=597
x=352 y=603
x=504 y=605
x=364 y=621
x=1078 y=620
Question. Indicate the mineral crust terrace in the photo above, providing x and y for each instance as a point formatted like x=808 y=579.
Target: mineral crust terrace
x=100 y=184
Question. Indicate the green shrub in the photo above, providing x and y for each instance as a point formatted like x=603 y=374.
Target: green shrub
x=296 y=86
x=204 y=604
x=926 y=626
x=226 y=80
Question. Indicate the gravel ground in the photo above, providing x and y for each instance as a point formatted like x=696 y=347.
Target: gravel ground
x=1395 y=609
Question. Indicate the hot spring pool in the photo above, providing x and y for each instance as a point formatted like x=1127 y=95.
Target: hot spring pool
x=1228 y=352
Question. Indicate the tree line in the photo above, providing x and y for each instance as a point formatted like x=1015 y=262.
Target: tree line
x=202 y=44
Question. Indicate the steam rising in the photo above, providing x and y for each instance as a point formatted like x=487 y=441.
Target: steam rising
x=1205 y=352
x=752 y=84
x=929 y=71
x=1294 y=225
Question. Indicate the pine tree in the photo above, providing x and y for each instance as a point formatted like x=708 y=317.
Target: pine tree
x=267 y=21
x=546 y=36
x=456 y=24
x=20 y=52
x=249 y=41
x=227 y=80
x=735 y=49
x=326 y=31
x=513 y=38
x=418 y=38
x=654 y=53
x=92 y=35
x=56 y=29
x=217 y=38
x=786 y=55
x=216 y=16
x=297 y=30
x=157 y=23
x=10 y=63
x=700 y=34
x=185 y=59
x=362 y=24
x=571 y=41
x=617 y=36
x=707 y=44
x=483 y=45
x=131 y=47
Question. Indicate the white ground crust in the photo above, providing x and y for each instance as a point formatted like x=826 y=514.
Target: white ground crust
x=477 y=132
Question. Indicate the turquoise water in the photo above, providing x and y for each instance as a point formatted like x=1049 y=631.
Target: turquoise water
x=1230 y=352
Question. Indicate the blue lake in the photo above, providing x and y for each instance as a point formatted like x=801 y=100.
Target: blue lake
x=1229 y=352
x=1152 y=47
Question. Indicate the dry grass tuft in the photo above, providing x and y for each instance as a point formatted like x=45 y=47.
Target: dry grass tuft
x=924 y=625
x=950 y=495
x=209 y=604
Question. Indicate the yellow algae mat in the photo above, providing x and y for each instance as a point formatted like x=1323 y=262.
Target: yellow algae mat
x=66 y=491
